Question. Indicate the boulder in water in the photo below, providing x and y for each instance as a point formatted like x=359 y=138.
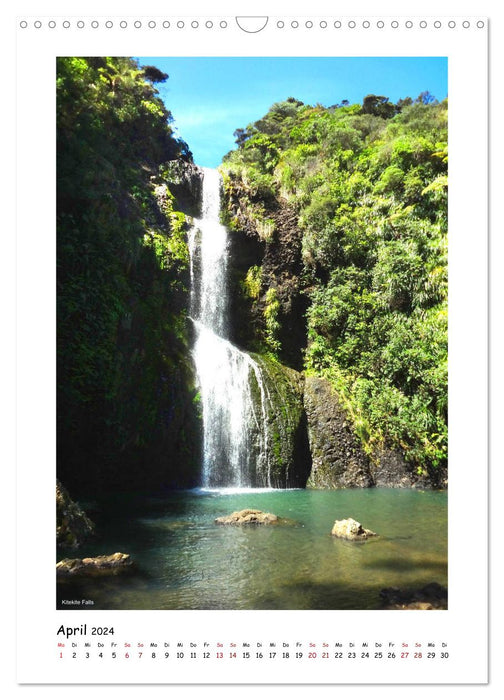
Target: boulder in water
x=248 y=517
x=350 y=529
x=430 y=597
x=104 y=565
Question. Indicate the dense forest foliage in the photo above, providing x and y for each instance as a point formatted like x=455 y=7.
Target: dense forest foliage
x=366 y=188
x=124 y=373
x=338 y=262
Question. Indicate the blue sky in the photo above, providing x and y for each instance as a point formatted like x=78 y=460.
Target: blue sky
x=211 y=97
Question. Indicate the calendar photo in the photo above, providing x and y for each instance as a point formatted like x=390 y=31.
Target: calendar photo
x=252 y=333
x=251 y=298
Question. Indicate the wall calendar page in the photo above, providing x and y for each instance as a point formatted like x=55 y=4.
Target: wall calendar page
x=256 y=240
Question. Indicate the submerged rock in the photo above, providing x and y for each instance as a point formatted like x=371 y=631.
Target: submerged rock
x=433 y=596
x=248 y=517
x=103 y=565
x=350 y=529
x=160 y=524
x=72 y=525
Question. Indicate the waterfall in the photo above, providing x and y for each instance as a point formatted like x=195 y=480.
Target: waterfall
x=233 y=393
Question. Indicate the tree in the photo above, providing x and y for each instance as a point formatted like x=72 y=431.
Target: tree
x=426 y=98
x=154 y=75
x=400 y=104
x=242 y=135
x=378 y=105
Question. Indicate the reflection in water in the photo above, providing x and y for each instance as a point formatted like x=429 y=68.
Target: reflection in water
x=185 y=561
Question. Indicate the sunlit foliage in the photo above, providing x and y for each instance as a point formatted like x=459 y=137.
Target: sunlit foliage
x=369 y=184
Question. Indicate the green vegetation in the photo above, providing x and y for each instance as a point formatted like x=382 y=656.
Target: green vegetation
x=348 y=205
x=271 y=311
x=122 y=276
x=251 y=285
x=368 y=184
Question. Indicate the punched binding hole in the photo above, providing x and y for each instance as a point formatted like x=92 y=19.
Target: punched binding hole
x=251 y=25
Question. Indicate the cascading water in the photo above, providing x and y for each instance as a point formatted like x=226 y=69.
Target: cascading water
x=232 y=390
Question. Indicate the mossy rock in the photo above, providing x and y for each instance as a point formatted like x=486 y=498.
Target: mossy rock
x=289 y=461
x=248 y=516
x=73 y=527
x=103 y=565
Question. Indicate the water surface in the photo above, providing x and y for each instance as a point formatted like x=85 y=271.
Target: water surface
x=186 y=561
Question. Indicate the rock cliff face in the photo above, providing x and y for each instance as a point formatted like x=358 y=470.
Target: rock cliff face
x=133 y=420
x=272 y=315
x=157 y=369
x=268 y=305
x=73 y=527
x=281 y=270
x=389 y=468
x=338 y=459
x=288 y=448
x=185 y=181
